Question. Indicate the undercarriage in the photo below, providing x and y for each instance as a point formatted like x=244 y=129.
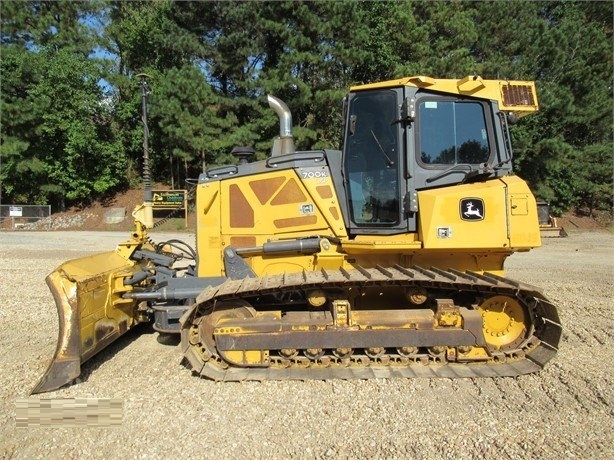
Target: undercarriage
x=369 y=323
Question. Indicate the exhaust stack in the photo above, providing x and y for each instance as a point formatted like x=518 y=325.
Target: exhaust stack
x=283 y=144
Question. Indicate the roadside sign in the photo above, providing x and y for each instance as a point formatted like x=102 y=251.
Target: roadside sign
x=169 y=199
x=15 y=211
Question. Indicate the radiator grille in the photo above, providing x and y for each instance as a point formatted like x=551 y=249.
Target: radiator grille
x=518 y=95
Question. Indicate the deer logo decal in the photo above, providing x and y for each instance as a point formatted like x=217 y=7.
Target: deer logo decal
x=472 y=209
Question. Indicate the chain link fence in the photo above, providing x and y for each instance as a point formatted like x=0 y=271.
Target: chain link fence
x=19 y=216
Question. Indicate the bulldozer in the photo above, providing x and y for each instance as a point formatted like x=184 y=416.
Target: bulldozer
x=548 y=224
x=382 y=259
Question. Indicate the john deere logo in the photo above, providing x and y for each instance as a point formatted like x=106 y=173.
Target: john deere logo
x=472 y=209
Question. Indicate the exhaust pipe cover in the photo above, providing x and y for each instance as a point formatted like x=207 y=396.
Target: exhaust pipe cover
x=284 y=144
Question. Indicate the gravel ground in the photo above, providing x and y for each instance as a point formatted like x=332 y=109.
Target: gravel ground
x=565 y=411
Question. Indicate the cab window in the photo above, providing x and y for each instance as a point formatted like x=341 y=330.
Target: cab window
x=452 y=132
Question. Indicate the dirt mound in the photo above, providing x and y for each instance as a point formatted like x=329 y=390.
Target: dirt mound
x=92 y=217
x=580 y=220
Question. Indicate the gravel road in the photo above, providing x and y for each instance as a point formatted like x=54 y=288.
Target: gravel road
x=566 y=411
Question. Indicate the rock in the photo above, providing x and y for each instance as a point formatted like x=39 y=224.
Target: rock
x=115 y=216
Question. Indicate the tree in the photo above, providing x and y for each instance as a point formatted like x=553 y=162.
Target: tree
x=572 y=132
x=212 y=63
x=184 y=114
x=56 y=145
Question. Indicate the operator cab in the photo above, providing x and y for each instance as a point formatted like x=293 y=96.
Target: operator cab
x=399 y=140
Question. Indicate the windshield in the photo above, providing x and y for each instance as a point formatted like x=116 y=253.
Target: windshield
x=371 y=158
x=452 y=132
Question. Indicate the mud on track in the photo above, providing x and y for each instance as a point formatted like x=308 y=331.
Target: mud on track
x=566 y=411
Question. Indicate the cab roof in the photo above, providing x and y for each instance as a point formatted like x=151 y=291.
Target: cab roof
x=516 y=96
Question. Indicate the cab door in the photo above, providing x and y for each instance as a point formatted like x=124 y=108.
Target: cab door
x=374 y=173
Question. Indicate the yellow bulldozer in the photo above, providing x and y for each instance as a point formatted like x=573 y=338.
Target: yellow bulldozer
x=382 y=259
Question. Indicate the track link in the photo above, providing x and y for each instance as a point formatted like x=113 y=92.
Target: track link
x=537 y=348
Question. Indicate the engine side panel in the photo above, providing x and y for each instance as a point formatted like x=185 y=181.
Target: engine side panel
x=247 y=211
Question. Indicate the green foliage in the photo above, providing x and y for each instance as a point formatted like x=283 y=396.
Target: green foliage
x=566 y=150
x=71 y=128
x=56 y=142
x=595 y=183
x=184 y=115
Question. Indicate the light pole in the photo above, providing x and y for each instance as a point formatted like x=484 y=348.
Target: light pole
x=145 y=92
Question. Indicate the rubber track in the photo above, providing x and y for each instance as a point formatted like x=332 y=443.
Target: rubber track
x=543 y=344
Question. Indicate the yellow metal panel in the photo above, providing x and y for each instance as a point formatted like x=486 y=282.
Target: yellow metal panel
x=249 y=211
x=470 y=84
x=519 y=205
x=369 y=244
x=208 y=222
x=442 y=222
x=281 y=204
x=288 y=264
x=320 y=187
x=523 y=219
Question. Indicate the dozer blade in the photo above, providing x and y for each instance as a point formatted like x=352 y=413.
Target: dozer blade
x=91 y=312
x=552 y=232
